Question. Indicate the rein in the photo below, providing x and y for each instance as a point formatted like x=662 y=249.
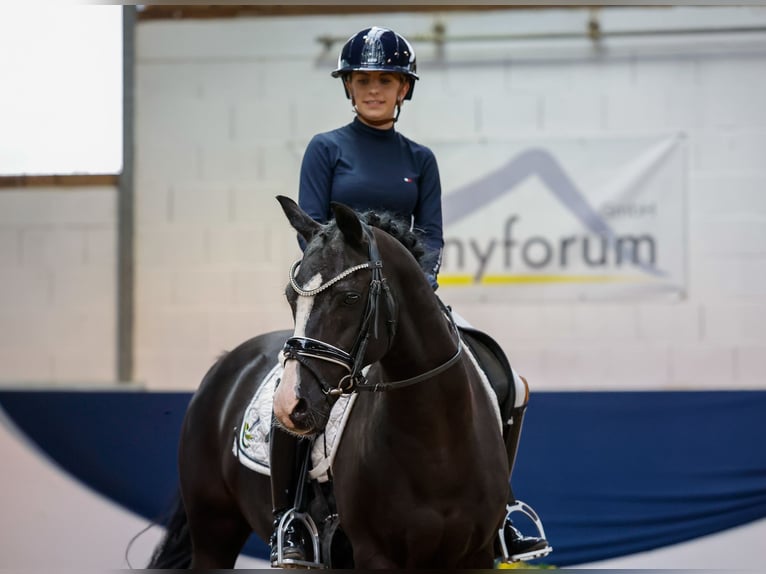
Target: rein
x=300 y=348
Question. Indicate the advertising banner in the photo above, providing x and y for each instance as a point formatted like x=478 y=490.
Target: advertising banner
x=569 y=219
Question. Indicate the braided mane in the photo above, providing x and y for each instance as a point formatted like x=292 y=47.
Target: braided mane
x=398 y=228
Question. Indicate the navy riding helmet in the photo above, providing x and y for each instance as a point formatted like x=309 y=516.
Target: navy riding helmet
x=377 y=50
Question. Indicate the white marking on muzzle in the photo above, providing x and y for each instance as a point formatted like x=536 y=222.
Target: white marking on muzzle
x=285 y=396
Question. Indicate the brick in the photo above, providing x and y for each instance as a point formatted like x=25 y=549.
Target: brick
x=731 y=323
x=505 y=115
x=171 y=247
x=10 y=247
x=85 y=366
x=572 y=111
x=431 y=118
x=641 y=367
x=171 y=329
x=736 y=149
x=237 y=246
x=653 y=72
x=280 y=163
x=163 y=80
x=258 y=120
x=155 y=287
x=702 y=366
x=85 y=288
x=228 y=329
x=95 y=330
x=605 y=322
x=729 y=194
x=751 y=366
x=725 y=277
x=162 y=163
x=25 y=364
x=636 y=109
x=52 y=206
x=101 y=247
x=462 y=78
x=263 y=286
x=208 y=205
x=231 y=81
x=679 y=322
x=304 y=121
x=573 y=367
x=254 y=203
x=153 y=203
x=53 y=247
x=166 y=121
x=204 y=289
x=230 y=162
x=242 y=163
x=24 y=328
x=26 y=288
x=514 y=324
x=724 y=104
x=171 y=370
x=273 y=315
x=723 y=75
x=739 y=237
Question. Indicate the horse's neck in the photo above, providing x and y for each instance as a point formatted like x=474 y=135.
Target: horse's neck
x=425 y=340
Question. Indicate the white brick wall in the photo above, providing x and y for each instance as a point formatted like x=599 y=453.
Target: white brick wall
x=57 y=285
x=225 y=109
x=243 y=97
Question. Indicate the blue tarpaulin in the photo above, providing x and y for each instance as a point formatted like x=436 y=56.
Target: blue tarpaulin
x=610 y=473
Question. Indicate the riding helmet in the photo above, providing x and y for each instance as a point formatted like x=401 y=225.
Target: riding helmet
x=377 y=50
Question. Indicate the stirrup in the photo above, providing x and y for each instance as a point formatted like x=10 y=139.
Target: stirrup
x=308 y=524
x=526 y=510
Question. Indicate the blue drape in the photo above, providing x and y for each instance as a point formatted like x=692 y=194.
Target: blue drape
x=610 y=473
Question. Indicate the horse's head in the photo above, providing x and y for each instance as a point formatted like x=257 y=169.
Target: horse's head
x=345 y=315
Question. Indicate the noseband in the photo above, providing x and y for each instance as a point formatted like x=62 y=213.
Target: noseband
x=299 y=348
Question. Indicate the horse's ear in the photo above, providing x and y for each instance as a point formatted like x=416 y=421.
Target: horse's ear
x=299 y=219
x=348 y=223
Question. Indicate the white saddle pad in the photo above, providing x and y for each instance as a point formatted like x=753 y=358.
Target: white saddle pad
x=251 y=446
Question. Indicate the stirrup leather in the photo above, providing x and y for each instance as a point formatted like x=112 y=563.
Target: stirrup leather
x=311 y=529
x=527 y=510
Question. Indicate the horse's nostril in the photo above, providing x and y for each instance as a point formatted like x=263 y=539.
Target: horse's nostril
x=300 y=412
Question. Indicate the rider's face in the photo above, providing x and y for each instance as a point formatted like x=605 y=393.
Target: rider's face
x=376 y=94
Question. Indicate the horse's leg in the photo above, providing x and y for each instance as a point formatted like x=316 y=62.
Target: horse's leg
x=218 y=532
x=483 y=559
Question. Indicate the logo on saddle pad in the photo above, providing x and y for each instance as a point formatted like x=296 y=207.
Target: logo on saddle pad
x=251 y=445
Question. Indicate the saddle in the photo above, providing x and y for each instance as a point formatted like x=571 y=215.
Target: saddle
x=495 y=364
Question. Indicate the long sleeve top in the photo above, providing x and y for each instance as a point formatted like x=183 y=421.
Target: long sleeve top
x=368 y=168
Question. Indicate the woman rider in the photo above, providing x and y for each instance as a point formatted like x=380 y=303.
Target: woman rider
x=367 y=165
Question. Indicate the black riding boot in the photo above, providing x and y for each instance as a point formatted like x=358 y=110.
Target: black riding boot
x=287 y=453
x=517 y=546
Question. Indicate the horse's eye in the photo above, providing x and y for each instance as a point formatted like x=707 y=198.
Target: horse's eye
x=350 y=298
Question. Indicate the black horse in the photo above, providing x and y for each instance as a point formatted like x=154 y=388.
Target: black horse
x=420 y=477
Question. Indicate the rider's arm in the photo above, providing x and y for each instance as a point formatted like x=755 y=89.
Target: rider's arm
x=428 y=215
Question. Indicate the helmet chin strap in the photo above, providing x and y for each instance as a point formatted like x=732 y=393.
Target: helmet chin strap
x=377 y=123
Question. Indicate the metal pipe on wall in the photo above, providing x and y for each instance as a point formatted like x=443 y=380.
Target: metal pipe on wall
x=593 y=32
x=125 y=205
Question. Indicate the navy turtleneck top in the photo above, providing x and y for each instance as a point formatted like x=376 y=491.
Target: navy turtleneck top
x=368 y=168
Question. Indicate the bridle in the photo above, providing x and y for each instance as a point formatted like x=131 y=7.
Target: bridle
x=300 y=348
